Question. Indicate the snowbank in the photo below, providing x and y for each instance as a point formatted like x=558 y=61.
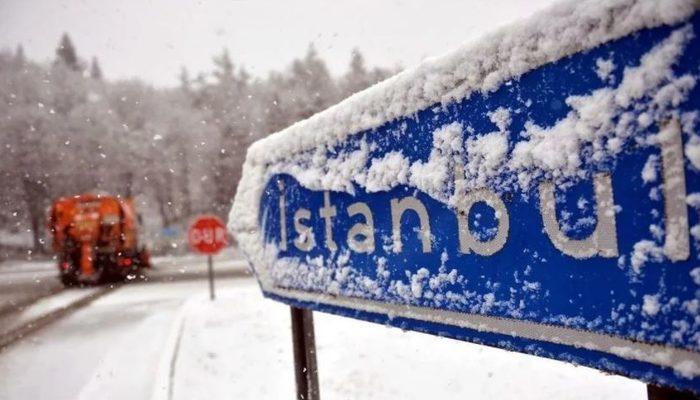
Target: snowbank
x=240 y=347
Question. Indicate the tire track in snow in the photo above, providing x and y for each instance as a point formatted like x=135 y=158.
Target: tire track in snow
x=35 y=324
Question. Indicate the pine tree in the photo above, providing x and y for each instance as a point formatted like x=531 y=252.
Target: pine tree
x=224 y=67
x=65 y=53
x=312 y=85
x=19 y=56
x=357 y=63
x=357 y=78
x=185 y=81
x=95 y=70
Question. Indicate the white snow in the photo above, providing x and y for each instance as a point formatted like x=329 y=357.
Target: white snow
x=605 y=114
x=432 y=176
x=108 y=350
x=604 y=69
x=43 y=307
x=650 y=172
x=500 y=117
x=695 y=274
x=22 y=239
x=644 y=251
x=239 y=346
x=387 y=172
x=486 y=155
x=692 y=151
x=695 y=232
x=693 y=200
x=360 y=360
x=27 y=266
x=651 y=305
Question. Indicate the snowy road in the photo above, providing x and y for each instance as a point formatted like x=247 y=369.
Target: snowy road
x=112 y=346
x=168 y=341
x=23 y=281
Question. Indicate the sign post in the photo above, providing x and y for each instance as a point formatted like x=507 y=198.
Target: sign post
x=207 y=235
x=210 y=268
x=665 y=393
x=304 y=345
x=538 y=191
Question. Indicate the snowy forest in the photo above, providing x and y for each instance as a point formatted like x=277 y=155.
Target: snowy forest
x=178 y=151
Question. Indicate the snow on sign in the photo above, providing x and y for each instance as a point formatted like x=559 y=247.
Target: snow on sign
x=538 y=191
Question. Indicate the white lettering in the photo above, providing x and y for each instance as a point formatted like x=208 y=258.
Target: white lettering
x=677 y=241
x=305 y=239
x=467 y=241
x=283 y=217
x=398 y=207
x=603 y=241
x=363 y=230
x=328 y=212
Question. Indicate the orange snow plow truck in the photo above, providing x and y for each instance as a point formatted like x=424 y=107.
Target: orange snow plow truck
x=95 y=239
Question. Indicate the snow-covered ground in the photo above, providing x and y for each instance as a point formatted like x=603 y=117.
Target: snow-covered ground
x=226 y=261
x=15 y=320
x=23 y=268
x=167 y=340
x=24 y=280
x=112 y=347
x=240 y=347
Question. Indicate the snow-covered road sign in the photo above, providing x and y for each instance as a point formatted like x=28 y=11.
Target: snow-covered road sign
x=537 y=191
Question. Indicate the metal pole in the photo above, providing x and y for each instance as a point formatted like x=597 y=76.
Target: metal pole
x=666 y=393
x=305 y=367
x=210 y=263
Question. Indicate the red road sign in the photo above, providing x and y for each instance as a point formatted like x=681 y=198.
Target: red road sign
x=207 y=234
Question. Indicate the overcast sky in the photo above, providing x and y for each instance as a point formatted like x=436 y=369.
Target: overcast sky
x=152 y=39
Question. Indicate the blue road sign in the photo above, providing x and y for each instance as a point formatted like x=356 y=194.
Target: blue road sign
x=170 y=232
x=555 y=214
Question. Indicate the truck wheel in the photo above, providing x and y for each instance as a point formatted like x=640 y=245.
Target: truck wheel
x=101 y=276
x=69 y=280
x=144 y=258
